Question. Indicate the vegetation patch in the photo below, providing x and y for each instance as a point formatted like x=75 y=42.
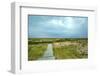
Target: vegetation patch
x=36 y=51
x=71 y=50
x=63 y=48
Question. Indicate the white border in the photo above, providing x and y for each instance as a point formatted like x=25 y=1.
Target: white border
x=19 y=39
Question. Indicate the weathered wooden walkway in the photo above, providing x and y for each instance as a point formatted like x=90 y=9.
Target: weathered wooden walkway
x=48 y=54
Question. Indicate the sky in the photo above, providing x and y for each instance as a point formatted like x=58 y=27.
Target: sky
x=57 y=26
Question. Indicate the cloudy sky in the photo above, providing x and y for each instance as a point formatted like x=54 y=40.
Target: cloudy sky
x=57 y=27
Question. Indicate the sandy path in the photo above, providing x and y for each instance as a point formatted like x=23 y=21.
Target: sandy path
x=48 y=54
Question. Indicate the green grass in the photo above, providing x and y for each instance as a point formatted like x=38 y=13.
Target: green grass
x=53 y=40
x=65 y=52
x=37 y=47
x=36 y=51
x=71 y=51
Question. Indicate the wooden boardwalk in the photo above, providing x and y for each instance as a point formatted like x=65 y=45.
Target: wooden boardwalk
x=48 y=54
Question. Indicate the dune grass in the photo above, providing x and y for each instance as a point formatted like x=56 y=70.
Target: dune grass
x=65 y=52
x=36 y=51
x=66 y=48
x=70 y=52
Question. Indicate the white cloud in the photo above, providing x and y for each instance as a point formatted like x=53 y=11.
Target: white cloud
x=55 y=22
x=58 y=26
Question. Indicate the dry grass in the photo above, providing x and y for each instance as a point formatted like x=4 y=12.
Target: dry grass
x=36 y=51
x=70 y=50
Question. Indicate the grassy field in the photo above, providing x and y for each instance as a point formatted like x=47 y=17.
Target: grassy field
x=63 y=48
x=36 y=51
x=70 y=50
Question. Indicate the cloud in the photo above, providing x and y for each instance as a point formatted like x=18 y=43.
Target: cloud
x=52 y=26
